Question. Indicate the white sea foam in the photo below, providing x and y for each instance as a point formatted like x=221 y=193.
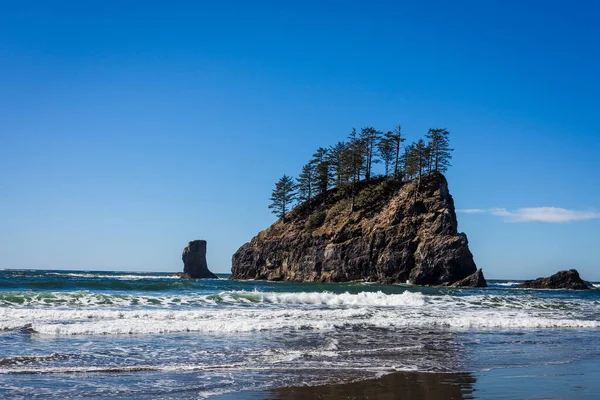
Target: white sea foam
x=213 y=321
x=113 y=369
x=508 y=284
x=317 y=299
x=84 y=313
x=346 y=299
x=85 y=298
x=180 y=368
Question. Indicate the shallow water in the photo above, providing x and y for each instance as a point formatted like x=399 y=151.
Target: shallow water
x=122 y=335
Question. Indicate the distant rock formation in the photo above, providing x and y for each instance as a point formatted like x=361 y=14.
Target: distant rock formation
x=194 y=261
x=561 y=280
x=397 y=233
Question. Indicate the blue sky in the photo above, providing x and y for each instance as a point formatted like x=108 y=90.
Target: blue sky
x=130 y=128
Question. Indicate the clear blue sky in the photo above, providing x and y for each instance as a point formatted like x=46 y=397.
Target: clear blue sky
x=129 y=128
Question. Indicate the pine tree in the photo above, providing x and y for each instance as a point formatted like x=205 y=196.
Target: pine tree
x=387 y=152
x=410 y=161
x=355 y=156
x=421 y=156
x=440 y=150
x=322 y=171
x=354 y=163
x=370 y=137
x=336 y=161
x=306 y=183
x=283 y=196
x=428 y=155
x=396 y=138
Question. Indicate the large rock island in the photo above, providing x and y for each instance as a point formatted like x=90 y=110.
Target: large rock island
x=396 y=233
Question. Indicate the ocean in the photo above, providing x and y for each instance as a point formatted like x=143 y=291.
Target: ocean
x=123 y=335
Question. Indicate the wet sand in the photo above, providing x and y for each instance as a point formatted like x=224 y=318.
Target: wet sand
x=399 y=385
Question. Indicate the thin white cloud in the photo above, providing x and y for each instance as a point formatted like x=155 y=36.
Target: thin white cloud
x=472 y=211
x=539 y=214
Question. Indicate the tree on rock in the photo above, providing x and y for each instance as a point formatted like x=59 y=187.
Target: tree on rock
x=421 y=157
x=354 y=163
x=396 y=139
x=336 y=156
x=410 y=161
x=307 y=183
x=354 y=160
x=283 y=196
x=440 y=149
x=323 y=174
x=370 y=137
x=387 y=152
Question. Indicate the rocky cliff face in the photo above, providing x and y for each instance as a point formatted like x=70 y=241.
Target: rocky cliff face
x=397 y=233
x=194 y=261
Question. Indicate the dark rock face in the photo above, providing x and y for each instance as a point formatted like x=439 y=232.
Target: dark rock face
x=561 y=280
x=398 y=233
x=475 y=280
x=194 y=261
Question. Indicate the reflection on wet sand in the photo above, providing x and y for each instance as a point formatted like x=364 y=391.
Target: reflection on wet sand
x=398 y=385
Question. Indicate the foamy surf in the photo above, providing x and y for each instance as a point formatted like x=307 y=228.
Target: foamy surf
x=85 y=298
x=248 y=312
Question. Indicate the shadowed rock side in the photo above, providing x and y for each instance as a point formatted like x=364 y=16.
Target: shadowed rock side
x=397 y=233
x=194 y=261
x=561 y=280
x=475 y=280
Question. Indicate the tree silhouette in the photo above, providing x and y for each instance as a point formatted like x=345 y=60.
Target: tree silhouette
x=337 y=161
x=306 y=182
x=440 y=150
x=323 y=175
x=396 y=138
x=370 y=137
x=387 y=151
x=410 y=161
x=355 y=156
x=421 y=156
x=283 y=196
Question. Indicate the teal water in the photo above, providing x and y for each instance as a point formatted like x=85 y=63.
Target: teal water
x=149 y=335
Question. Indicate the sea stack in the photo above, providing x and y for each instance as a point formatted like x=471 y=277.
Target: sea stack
x=384 y=231
x=194 y=261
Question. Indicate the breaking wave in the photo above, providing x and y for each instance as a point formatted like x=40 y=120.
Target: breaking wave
x=507 y=284
x=85 y=298
x=83 y=313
